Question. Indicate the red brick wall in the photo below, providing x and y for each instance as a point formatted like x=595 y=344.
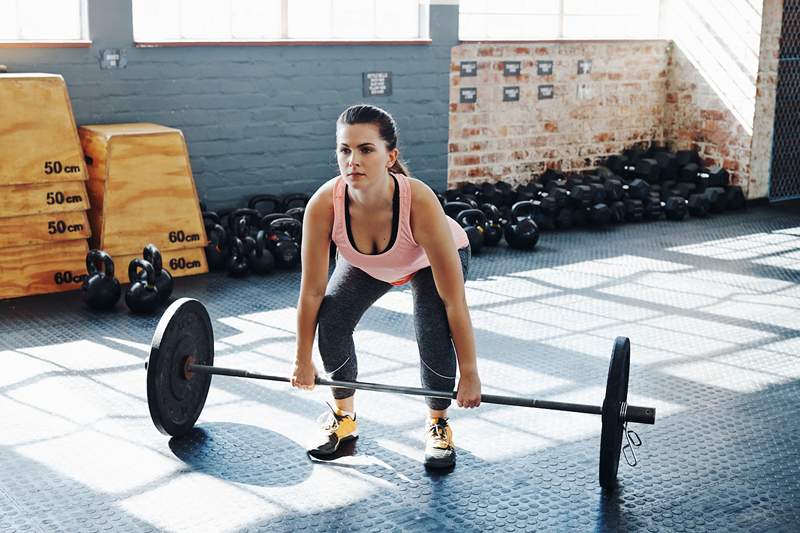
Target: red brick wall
x=766 y=84
x=696 y=117
x=513 y=141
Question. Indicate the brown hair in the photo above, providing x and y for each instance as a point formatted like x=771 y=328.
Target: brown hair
x=387 y=128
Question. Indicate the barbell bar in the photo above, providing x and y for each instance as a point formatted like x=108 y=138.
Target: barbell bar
x=180 y=366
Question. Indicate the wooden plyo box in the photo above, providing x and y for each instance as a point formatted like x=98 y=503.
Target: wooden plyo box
x=43 y=268
x=38 y=138
x=141 y=189
x=43 y=229
x=179 y=263
x=37 y=199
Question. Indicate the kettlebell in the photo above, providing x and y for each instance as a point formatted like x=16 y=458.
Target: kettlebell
x=236 y=263
x=251 y=219
x=265 y=203
x=295 y=200
x=493 y=231
x=521 y=232
x=473 y=222
x=164 y=281
x=101 y=290
x=260 y=259
x=210 y=218
x=216 y=251
x=283 y=235
x=296 y=213
x=453 y=208
x=142 y=295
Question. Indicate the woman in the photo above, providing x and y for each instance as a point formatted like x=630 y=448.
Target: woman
x=389 y=229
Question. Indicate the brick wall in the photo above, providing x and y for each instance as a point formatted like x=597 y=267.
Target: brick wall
x=699 y=91
x=494 y=140
x=711 y=86
x=696 y=117
x=765 y=98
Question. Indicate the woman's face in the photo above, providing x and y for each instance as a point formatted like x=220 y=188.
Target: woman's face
x=362 y=154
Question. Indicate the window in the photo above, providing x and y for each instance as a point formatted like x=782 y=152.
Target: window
x=43 y=20
x=269 y=20
x=557 y=19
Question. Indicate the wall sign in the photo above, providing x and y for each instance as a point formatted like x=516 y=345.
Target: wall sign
x=113 y=58
x=511 y=94
x=377 y=83
x=512 y=68
x=546 y=92
x=469 y=68
x=584 y=66
x=468 y=95
x=544 y=67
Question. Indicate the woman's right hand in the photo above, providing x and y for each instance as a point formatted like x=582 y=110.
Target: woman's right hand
x=304 y=374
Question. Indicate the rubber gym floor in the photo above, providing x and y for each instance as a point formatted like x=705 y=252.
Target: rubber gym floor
x=712 y=308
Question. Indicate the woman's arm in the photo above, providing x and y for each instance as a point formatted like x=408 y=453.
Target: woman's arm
x=317 y=224
x=431 y=231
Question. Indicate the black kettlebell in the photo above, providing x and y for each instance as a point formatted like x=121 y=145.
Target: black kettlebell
x=493 y=230
x=251 y=220
x=453 y=208
x=236 y=263
x=260 y=259
x=291 y=201
x=521 y=232
x=473 y=222
x=142 y=295
x=265 y=203
x=210 y=218
x=296 y=213
x=101 y=290
x=283 y=237
x=164 y=281
x=216 y=251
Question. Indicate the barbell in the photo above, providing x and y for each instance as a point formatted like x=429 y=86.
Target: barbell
x=180 y=366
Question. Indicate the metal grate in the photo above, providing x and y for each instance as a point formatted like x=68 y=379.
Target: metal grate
x=784 y=182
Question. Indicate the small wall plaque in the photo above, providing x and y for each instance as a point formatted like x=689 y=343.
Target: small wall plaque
x=511 y=94
x=584 y=66
x=113 y=58
x=512 y=68
x=377 y=83
x=468 y=95
x=469 y=69
x=544 y=67
x=546 y=92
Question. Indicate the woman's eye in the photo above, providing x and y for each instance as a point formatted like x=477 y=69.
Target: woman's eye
x=366 y=150
x=343 y=150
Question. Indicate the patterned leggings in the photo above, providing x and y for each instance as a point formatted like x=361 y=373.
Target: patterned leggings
x=351 y=292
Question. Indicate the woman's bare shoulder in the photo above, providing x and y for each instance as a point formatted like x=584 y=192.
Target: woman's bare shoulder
x=324 y=195
x=420 y=191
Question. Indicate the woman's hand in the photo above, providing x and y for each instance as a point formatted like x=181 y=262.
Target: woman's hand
x=304 y=374
x=469 y=391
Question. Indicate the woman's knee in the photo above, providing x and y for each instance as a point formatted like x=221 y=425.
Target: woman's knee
x=333 y=323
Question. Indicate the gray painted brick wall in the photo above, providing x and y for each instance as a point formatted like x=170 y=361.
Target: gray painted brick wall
x=257 y=119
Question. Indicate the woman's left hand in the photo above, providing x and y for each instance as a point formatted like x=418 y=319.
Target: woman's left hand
x=469 y=391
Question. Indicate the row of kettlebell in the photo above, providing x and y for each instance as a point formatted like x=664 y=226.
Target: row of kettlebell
x=150 y=283
x=252 y=242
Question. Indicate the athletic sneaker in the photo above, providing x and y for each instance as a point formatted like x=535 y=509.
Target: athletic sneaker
x=336 y=428
x=440 y=451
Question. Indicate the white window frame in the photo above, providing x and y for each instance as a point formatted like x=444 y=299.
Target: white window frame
x=657 y=34
x=83 y=41
x=422 y=38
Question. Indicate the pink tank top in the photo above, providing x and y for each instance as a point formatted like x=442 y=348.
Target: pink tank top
x=398 y=264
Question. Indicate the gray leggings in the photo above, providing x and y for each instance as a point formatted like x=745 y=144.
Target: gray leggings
x=351 y=292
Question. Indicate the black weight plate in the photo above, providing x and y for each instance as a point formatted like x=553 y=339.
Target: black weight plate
x=613 y=423
x=176 y=402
